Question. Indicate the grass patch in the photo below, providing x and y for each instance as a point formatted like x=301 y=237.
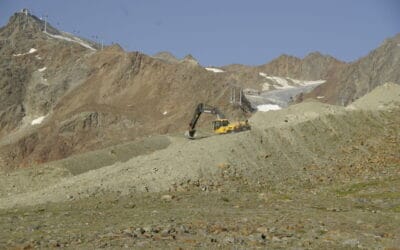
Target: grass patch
x=396 y=209
x=383 y=195
x=355 y=188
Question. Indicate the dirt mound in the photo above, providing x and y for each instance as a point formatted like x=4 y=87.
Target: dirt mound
x=81 y=163
x=273 y=154
x=384 y=96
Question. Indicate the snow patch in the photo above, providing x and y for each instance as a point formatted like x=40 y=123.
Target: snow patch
x=73 y=39
x=320 y=97
x=268 y=107
x=31 y=51
x=38 y=120
x=265 y=86
x=38 y=57
x=215 y=70
x=304 y=82
x=282 y=82
x=42 y=69
x=277 y=82
x=165 y=112
x=286 y=82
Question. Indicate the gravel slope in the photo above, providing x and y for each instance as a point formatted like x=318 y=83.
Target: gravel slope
x=273 y=154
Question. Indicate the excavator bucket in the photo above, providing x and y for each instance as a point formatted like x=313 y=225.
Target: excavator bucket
x=190 y=134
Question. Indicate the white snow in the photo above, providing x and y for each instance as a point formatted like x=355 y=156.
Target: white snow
x=38 y=120
x=42 y=69
x=278 y=82
x=285 y=82
x=282 y=82
x=74 y=40
x=265 y=86
x=38 y=57
x=31 y=51
x=304 y=82
x=165 y=112
x=215 y=70
x=320 y=97
x=268 y=107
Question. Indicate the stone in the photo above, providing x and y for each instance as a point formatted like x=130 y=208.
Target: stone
x=167 y=197
x=351 y=242
x=263 y=230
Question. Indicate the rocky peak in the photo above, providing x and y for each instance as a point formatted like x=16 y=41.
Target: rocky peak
x=166 y=57
x=24 y=21
x=189 y=59
x=356 y=79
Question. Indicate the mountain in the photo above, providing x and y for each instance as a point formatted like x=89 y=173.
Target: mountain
x=62 y=95
x=166 y=56
x=315 y=66
x=36 y=69
x=354 y=80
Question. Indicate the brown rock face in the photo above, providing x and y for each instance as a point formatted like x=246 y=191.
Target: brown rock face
x=352 y=81
x=91 y=98
x=314 y=66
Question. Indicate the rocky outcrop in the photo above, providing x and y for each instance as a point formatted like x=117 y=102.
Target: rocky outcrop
x=352 y=81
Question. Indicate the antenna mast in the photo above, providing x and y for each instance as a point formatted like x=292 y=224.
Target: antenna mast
x=45 y=23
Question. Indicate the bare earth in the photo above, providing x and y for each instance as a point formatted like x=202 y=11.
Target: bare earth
x=309 y=176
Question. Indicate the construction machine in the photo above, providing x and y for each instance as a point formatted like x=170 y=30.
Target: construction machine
x=220 y=126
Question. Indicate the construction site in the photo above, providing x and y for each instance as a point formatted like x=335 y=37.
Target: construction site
x=103 y=148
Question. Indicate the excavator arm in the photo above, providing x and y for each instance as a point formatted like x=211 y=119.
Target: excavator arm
x=202 y=108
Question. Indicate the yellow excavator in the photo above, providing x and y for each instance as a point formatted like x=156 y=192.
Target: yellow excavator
x=221 y=125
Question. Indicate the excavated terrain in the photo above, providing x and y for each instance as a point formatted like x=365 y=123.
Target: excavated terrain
x=310 y=176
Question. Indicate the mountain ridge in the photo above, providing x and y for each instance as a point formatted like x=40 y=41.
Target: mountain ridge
x=358 y=78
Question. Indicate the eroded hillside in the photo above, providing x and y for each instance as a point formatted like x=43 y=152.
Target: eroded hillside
x=312 y=175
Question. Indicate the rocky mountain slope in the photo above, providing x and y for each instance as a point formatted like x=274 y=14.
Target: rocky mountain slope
x=62 y=95
x=312 y=175
x=314 y=66
x=101 y=131
x=352 y=81
x=279 y=145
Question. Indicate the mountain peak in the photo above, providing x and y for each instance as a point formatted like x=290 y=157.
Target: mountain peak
x=166 y=56
x=24 y=21
x=316 y=55
x=190 y=59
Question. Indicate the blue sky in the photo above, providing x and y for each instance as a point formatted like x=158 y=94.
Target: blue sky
x=220 y=32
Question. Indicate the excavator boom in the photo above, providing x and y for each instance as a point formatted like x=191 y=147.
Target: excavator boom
x=202 y=108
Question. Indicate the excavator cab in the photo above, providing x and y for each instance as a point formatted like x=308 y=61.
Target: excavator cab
x=220 y=123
